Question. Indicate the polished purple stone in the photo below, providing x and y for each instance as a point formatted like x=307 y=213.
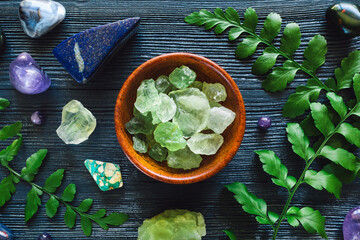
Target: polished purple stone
x=37 y=118
x=351 y=225
x=264 y=123
x=26 y=75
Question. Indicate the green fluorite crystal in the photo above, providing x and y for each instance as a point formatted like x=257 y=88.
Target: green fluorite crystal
x=214 y=91
x=169 y=135
x=167 y=108
x=162 y=84
x=106 y=175
x=220 y=118
x=140 y=123
x=184 y=158
x=205 y=144
x=147 y=97
x=158 y=153
x=197 y=84
x=174 y=224
x=192 y=110
x=77 y=123
x=182 y=77
x=139 y=143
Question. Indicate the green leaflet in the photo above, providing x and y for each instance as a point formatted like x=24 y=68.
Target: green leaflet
x=337 y=103
x=54 y=181
x=251 y=204
x=100 y=213
x=351 y=133
x=315 y=53
x=300 y=142
x=349 y=67
x=52 y=206
x=33 y=163
x=32 y=203
x=340 y=156
x=250 y=19
x=311 y=220
x=278 y=79
x=357 y=86
x=234 y=33
x=4 y=103
x=272 y=26
x=69 y=193
x=265 y=62
x=7 y=188
x=86 y=225
x=341 y=173
x=116 y=219
x=230 y=234
x=70 y=217
x=7 y=154
x=323 y=180
x=10 y=130
x=85 y=205
x=272 y=165
x=247 y=47
x=321 y=117
x=291 y=39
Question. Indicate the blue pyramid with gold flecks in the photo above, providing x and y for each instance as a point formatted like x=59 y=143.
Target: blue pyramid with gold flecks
x=84 y=54
x=106 y=175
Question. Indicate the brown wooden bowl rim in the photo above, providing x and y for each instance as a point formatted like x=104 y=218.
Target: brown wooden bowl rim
x=203 y=175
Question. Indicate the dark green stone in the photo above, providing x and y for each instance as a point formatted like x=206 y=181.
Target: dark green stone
x=345 y=17
x=2 y=40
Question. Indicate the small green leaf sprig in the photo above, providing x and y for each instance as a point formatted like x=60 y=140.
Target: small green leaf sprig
x=280 y=76
x=52 y=183
x=333 y=128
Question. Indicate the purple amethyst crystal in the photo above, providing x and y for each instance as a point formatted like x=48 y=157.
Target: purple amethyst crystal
x=26 y=75
x=351 y=225
x=37 y=118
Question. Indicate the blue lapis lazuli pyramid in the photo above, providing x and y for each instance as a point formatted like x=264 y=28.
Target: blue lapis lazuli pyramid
x=83 y=54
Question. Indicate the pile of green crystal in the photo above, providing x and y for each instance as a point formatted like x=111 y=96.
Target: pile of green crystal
x=173 y=225
x=178 y=119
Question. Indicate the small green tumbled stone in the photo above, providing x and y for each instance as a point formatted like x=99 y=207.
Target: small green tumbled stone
x=214 y=91
x=169 y=135
x=139 y=143
x=192 y=110
x=205 y=144
x=183 y=158
x=106 y=175
x=163 y=85
x=158 y=153
x=182 y=77
x=147 y=98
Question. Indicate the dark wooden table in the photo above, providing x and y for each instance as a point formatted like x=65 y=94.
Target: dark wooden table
x=162 y=30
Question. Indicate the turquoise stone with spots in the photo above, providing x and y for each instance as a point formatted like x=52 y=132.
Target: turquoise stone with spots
x=106 y=175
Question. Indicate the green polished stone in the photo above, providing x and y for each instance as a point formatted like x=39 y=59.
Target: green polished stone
x=2 y=40
x=106 y=175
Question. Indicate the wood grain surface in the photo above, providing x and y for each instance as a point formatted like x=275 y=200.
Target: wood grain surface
x=162 y=30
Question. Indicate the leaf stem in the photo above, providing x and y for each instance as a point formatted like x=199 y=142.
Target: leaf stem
x=301 y=178
x=50 y=194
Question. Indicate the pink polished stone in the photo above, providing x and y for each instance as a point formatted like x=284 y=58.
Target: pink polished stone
x=26 y=75
x=351 y=225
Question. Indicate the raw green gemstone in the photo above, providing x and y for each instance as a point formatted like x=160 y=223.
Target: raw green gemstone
x=140 y=124
x=158 y=153
x=169 y=135
x=147 y=97
x=214 y=104
x=182 y=77
x=197 y=84
x=139 y=143
x=183 y=158
x=174 y=224
x=192 y=110
x=162 y=84
x=220 y=118
x=106 y=175
x=167 y=109
x=214 y=91
x=205 y=144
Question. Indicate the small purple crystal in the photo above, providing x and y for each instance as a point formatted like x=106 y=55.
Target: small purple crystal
x=26 y=75
x=351 y=225
x=37 y=118
x=264 y=123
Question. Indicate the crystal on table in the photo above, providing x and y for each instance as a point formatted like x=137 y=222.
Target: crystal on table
x=106 y=175
x=77 y=123
x=205 y=144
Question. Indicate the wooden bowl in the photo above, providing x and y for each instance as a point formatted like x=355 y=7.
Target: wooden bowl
x=206 y=70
